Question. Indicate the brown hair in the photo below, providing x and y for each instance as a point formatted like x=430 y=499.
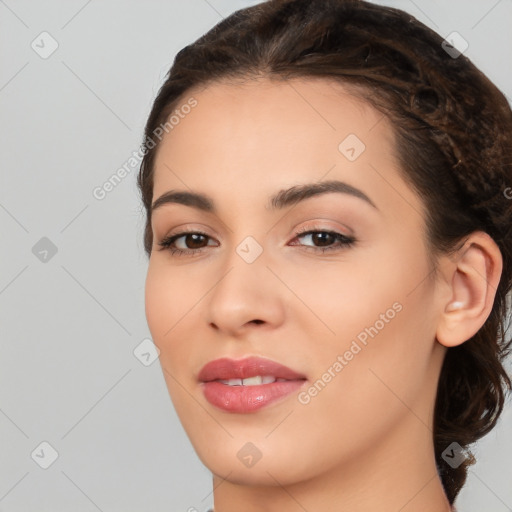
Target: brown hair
x=453 y=129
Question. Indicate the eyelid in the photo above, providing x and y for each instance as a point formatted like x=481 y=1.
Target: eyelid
x=326 y=225
x=343 y=238
x=315 y=225
x=189 y=227
x=342 y=241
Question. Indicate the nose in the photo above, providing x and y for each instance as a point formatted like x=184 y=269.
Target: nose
x=248 y=295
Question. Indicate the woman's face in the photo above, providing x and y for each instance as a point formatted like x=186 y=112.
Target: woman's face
x=356 y=321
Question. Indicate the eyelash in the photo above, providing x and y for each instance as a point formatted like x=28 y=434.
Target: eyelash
x=344 y=241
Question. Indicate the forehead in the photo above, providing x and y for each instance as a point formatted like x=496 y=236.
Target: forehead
x=261 y=135
x=274 y=112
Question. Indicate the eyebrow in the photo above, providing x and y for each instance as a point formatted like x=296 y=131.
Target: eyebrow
x=282 y=199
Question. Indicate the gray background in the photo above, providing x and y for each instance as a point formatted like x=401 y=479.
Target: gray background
x=69 y=325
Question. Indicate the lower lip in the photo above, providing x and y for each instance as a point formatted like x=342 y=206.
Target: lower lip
x=245 y=399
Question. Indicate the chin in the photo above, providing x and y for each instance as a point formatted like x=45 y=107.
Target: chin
x=242 y=463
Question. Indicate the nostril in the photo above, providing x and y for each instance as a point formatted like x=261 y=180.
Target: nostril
x=257 y=321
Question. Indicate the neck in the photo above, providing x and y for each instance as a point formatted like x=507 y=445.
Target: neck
x=398 y=473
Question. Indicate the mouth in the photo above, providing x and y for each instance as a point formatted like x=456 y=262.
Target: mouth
x=247 y=385
x=257 y=380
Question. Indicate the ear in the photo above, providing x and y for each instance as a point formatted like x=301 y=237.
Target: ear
x=473 y=274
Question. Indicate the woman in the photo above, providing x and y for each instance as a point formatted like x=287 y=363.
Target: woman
x=327 y=189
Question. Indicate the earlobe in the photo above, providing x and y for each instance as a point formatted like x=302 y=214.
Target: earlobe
x=474 y=276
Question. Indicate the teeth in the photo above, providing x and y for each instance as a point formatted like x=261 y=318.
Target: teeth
x=251 y=381
x=232 y=382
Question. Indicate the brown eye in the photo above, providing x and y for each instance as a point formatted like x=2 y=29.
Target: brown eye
x=194 y=240
x=322 y=240
x=186 y=242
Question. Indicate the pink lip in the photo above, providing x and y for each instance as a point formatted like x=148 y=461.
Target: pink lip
x=245 y=399
x=226 y=368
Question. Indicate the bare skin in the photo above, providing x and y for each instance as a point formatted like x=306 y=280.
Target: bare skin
x=364 y=441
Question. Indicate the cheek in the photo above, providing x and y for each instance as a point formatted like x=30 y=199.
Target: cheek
x=170 y=295
x=173 y=305
x=375 y=315
x=157 y=304
x=165 y=304
x=354 y=403
x=334 y=301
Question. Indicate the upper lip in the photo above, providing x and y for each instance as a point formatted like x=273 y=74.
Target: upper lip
x=226 y=369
